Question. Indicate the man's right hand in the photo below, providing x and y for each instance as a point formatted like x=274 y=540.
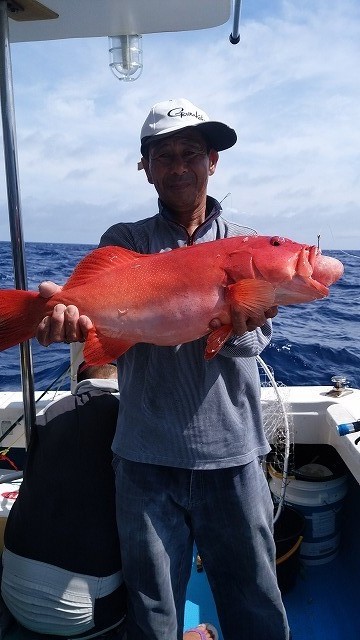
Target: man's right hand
x=64 y=324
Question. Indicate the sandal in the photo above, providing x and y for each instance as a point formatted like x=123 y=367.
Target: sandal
x=208 y=627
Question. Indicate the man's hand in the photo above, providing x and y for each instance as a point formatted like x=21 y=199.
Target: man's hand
x=241 y=324
x=64 y=324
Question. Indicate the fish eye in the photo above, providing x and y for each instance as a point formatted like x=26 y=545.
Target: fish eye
x=276 y=241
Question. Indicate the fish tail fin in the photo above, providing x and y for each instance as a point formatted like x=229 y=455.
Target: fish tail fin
x=20 y=314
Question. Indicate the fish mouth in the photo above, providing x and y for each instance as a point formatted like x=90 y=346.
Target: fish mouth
x=304 y=269
x=306 y=261
x=327 y=270
x=314 y=273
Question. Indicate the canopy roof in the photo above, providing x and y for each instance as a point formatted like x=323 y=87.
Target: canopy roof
x=58 y=19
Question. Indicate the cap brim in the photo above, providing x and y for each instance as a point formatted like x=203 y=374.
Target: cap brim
x=218 y=134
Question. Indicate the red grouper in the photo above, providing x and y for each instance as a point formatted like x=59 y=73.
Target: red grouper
x=170 y=298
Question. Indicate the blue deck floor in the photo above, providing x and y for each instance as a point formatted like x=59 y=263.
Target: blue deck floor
x=324 y=603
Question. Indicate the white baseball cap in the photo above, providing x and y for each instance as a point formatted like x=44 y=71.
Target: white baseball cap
x=165 y=118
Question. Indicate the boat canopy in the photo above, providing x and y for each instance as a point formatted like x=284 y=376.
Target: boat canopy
x=31 y=20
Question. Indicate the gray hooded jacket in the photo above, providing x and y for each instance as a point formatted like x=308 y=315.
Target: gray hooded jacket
x=176 y=408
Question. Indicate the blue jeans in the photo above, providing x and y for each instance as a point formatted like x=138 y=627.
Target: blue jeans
x=161 y=511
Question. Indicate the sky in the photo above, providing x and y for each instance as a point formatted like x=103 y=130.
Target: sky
x=290 y=89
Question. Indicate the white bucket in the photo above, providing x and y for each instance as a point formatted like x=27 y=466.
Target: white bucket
x=321 y=504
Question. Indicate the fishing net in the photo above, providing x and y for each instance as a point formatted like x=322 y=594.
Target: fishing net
x=278 y=426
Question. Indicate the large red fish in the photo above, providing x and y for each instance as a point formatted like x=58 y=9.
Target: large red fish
x=169 y=298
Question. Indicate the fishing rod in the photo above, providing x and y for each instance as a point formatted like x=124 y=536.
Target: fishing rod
x=61 y=375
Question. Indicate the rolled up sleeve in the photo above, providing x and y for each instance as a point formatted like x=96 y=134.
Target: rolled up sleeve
x=250 y=344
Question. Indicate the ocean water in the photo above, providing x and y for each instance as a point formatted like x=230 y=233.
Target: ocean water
x=311 y=342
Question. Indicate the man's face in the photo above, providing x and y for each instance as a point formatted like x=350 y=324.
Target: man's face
x=179 y=167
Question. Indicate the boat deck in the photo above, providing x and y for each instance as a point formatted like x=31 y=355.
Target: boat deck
x=324 y=603
x=322 y=606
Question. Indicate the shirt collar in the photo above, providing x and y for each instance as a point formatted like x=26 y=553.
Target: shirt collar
x=213 y=211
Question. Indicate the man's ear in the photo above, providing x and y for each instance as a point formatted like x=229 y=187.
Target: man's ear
x=213 y=160
x=146 y=167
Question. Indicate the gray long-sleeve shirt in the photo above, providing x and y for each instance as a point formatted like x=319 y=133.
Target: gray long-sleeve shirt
x=176 y=408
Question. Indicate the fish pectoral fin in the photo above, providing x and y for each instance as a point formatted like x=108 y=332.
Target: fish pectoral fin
x=102 y=349
x=251 y=297
x=217 y=339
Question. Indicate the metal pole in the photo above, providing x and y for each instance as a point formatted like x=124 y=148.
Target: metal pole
x=235 y=34
x=14 y=206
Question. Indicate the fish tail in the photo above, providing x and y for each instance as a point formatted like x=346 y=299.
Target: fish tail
x=20 y=314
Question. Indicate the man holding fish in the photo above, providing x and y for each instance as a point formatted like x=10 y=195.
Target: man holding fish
x=189 y=439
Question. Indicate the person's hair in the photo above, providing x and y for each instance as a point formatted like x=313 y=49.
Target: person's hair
x=96 y=371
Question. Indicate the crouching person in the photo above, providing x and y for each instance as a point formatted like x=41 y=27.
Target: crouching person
x=61 y=561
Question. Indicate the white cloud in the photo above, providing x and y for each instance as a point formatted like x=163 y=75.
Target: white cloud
x=290 y=89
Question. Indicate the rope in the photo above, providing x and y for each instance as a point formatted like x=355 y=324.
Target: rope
x=291 y=551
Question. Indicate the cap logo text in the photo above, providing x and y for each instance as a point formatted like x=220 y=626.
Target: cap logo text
x=179 y=112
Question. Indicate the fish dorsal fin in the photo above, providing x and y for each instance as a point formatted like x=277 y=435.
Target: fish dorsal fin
x=217 y=339
x=102 y=349
x=251 y=297
x=98 y=261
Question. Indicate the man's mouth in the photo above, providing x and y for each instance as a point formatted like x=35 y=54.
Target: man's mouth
x=179 y=184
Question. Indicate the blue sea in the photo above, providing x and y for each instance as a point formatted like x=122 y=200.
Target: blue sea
x=311 y=342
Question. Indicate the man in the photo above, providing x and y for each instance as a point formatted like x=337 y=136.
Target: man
x=189 y=437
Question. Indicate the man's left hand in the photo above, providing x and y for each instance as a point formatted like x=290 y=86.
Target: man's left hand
x=242 y=324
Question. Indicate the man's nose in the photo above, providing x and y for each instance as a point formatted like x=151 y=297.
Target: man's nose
x=178 y=164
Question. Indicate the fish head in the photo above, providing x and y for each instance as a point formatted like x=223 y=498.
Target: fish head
x=298 y=272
